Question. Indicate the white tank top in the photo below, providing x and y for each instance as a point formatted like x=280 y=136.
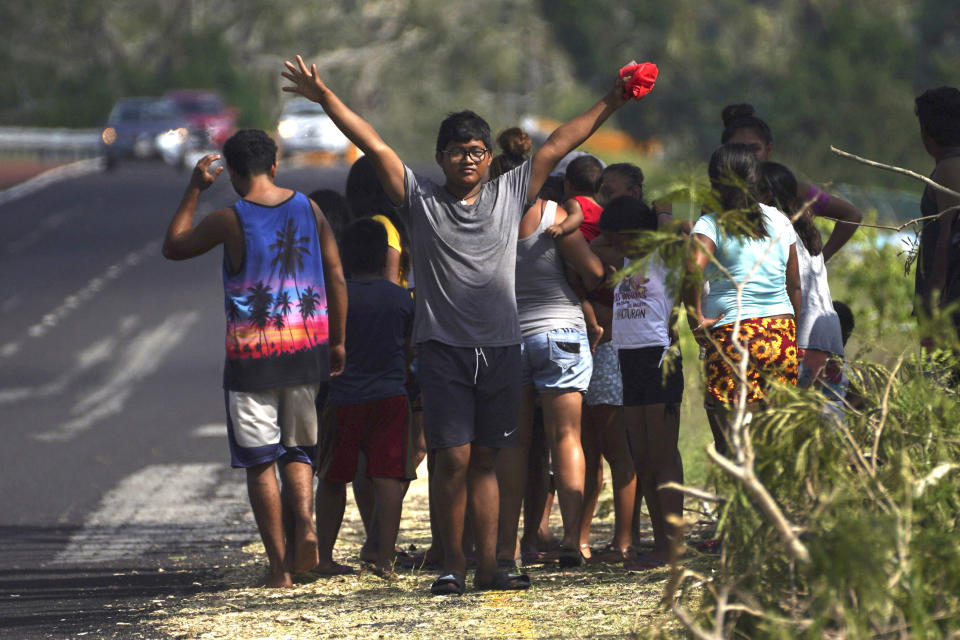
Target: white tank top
x=642 y=304
x=545 y=300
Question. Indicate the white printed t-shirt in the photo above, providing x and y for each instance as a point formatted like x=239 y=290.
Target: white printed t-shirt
x=642 y=303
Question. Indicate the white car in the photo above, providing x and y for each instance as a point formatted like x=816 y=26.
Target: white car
x=305 y=126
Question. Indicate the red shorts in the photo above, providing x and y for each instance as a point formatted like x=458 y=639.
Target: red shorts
x=380 y=429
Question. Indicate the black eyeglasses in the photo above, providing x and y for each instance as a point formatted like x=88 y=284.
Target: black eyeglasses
x=459 y=153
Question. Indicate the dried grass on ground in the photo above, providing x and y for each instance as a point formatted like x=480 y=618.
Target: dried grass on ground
x=598 y=601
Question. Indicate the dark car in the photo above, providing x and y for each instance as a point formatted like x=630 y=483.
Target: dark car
x=209 y=117
x=145 y=128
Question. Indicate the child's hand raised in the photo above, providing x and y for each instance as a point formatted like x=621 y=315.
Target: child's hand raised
x=307 y=82
x=203 y=175
x=554 y=231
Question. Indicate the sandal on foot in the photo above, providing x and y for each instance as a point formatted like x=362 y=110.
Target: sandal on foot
x=570 y=558
x=505 y=581
x=609 y=553
x=407 y=560
x=450 y=584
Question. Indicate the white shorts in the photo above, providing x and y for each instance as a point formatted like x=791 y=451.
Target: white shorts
x=266 y=426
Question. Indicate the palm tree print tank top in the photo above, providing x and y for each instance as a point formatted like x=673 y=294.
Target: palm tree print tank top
x=276 y=304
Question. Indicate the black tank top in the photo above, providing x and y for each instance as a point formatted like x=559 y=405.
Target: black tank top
x=928 y=244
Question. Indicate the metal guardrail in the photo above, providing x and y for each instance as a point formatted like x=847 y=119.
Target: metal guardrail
x=60 y=143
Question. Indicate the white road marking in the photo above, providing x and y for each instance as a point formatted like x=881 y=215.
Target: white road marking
x=95 y=354
x=74 y=301
x=163 y=509
x=45 y=179
x=142 y=356
x=210 y=431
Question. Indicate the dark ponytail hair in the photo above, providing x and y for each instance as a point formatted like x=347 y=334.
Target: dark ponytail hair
x=735 y=176
x=741 y=116
x=781 y=184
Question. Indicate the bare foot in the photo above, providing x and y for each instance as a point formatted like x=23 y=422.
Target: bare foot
x=305 y=552
x=276 y=580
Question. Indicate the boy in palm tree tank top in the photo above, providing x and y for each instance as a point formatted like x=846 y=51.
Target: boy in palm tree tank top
x=285 y=303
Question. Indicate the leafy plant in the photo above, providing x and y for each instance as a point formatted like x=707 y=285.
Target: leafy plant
x=840 y=520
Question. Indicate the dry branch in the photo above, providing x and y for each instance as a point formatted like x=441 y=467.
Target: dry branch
x=900 y=170
x=764 y=500
x=693 y=491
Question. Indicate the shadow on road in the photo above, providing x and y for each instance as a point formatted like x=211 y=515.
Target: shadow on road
x=41 y=600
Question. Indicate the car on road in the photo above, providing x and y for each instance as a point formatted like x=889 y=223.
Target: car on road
x=208 y=116
x=304 y=126
x=146 y=128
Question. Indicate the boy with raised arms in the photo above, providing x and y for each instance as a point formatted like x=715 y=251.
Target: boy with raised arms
x=466 y=329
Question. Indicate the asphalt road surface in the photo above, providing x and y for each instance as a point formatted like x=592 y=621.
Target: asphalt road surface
x=116 y=486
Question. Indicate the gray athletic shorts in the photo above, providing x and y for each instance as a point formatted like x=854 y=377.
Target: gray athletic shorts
x=470 y=394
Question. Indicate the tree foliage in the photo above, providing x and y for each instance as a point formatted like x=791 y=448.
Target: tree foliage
x=825 y=71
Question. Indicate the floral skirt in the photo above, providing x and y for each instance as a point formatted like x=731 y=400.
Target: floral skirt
x=772 y=345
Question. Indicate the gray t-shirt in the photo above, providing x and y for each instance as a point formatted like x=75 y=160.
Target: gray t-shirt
x=464 y=256
x=545 y=299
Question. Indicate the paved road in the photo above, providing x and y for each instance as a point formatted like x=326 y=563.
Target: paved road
x=114 y=471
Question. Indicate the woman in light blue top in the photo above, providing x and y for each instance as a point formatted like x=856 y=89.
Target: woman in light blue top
x=747 y=252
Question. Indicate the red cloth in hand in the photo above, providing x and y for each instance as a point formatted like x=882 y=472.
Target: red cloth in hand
x=638 y=79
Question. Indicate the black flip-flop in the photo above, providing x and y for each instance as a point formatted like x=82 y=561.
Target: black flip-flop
x=570 y=558
x=506 y=581
x=450 y=584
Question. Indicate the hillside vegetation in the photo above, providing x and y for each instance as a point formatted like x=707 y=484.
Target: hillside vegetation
x=820 y=71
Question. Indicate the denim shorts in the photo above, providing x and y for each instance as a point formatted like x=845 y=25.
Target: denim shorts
x=557 y=360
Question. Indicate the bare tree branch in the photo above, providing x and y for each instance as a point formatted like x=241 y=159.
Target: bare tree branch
x=693 y=491
x=900 y=170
